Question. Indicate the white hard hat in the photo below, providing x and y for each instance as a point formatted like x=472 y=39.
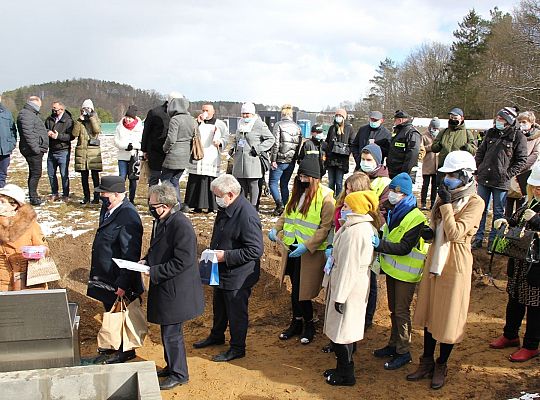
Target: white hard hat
x=534 y=177
x=15 y=192
x=458 y=160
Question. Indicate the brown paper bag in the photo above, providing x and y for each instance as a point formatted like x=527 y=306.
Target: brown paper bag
x=135 y=328
x=41 y=271
x=110 y=334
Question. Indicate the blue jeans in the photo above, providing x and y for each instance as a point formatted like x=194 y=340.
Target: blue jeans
x=4 y=165
x=335 y=180
x=281 y=174
x=58 y=159
x=173 y=176
x=499 y=201
x=123 y=171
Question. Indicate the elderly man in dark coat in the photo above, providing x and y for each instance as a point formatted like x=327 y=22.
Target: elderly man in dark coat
x=237 y=238
x=119 y=235
x=175 y=294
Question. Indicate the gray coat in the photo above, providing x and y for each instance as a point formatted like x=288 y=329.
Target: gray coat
x=248 y=147
x=8 y=131
x=177 y=146
x=288 y=139
x=34 y=137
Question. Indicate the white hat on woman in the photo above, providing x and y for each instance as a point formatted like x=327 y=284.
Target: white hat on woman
x=534 y=177
x=247 y=108
x=15 y=192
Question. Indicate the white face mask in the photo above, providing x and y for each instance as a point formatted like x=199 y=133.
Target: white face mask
x=434 y=132
x=205 y=115
x=220 y=201
x=338 y=119
x=524 y=126
x=394 y=197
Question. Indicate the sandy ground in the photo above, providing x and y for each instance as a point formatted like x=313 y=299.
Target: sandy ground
x=274 y=369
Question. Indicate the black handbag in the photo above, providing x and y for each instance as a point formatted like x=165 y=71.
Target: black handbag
x=341 y=148
x=518 y=243
x=94 y=142
x=134 y=167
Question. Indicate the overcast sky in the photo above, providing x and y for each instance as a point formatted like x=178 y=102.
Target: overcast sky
x=308 y=53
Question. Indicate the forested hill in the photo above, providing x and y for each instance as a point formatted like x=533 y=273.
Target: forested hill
x=111 y=99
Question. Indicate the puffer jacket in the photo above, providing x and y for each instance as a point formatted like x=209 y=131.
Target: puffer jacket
x=177 y=146
x=123 y=137
x=64 y=127
x=404 y=149
x=533 y=146
x=87 y=158
x=288 y=139
x=501 y=156
x=8 y=131
x=34 y=138
x=452 y=139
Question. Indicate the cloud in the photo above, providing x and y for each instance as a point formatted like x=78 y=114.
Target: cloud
x=310 y=53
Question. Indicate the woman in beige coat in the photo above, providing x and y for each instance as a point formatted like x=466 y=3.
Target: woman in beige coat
x=444 y=293
x=347 y=282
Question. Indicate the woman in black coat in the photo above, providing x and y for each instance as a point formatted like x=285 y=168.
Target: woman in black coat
x=338 y=149
x=175 y=294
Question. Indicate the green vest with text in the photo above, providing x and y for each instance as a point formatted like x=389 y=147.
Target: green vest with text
x=406 y=268
x=379 y=184
x=299 y=228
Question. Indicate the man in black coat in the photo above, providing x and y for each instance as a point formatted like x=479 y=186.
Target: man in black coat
x=373 y=132
x=33 y=144
x=175 y=294
x=156 y=126
x=119 y=235
x=238 y=242
x=404 y=146
x=59 y=126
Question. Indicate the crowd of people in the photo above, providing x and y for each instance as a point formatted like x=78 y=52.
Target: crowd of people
x=342 y=236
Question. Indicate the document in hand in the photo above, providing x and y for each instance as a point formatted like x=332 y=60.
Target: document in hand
x=133 y=266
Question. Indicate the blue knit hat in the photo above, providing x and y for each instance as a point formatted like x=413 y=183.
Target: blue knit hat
x=375 y=151
x=402 y=182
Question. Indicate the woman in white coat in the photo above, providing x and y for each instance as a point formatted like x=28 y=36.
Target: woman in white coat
x=347 y=282
x=127 y=140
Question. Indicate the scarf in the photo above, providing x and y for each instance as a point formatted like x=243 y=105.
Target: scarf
x=400 y=210
x=211 y=121
x=456 y=195
x=246 y=127
x=129 y=125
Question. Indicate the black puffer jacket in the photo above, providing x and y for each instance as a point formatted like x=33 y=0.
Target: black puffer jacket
x=339 y=160
x=34 y=138
x=64 y=127
x=501 y=156
x=288 y=139
x=380 y=135
x=156 y=126
x=403 y=150
x=314 y=148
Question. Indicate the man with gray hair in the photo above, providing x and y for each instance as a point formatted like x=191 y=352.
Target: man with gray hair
x=238 y=243
x=33 y=145
x=8 y=141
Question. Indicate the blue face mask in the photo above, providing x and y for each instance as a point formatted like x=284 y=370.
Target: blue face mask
x=344 y=214
x=247 y=120
x=374 y=125
x=367 y=166
x=499 y=125
x=452 y=183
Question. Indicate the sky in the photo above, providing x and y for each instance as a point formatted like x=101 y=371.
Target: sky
x=307 y=53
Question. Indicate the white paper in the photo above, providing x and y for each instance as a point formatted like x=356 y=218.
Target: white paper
x=133 y=266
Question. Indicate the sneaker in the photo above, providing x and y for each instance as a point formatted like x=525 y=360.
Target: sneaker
x=476 y=244
x=385 y=352
x=36 y=201
x=398 y=361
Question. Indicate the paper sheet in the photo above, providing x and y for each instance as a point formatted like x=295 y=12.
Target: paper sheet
x=133 y=266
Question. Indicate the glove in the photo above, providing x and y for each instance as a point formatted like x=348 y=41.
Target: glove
x=130 y=147
x=272 y=235
x=339 y=307
x=444 y=194
x=375 y=241
x=499 y=222
x=300 y=249
x=328 y=252
x=528 y=214
x=427 y=233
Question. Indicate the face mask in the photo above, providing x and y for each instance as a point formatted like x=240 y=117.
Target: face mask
x=205 y=115
x=304 y=185
x=54 y=113
x=394 y=197
x=247 y=120
x=499 y=125
x=435 y=132
x=154 y=213
x=221 y=202
x=338 y=119
x=367 y=166
x=375 y=124
x=453 y=122
x=452 y=183
x=319 y=136
x=344 y=214
x=524 y=126
x=106 y=201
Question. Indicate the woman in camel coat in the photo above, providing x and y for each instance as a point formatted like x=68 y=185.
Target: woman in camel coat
x=444 y=292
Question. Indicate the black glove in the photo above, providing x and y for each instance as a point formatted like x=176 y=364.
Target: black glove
x=130 y=147
x=253 y=152
x=444 y=194
x=427 y=233
x=463 y=148
x=339 y=307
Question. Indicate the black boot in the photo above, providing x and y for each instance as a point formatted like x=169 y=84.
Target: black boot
x=278 y=210
x=295 y=328
x=96 y=198
x=308 y=333
x=343 y=375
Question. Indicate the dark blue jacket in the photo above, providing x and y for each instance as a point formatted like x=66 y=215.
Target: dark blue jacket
x=34 y=138
x=238 y=231
x=175 y=294
x=380 y=135
x=64 y=127
x=119 y=236
x=8 y=131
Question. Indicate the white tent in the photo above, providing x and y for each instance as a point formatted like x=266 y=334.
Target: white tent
x=479 y=124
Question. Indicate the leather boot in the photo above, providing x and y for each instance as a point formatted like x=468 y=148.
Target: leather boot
x=295 y=328
x=439 y=375
x=425 y=369
x=343 y=376
x=308 y=333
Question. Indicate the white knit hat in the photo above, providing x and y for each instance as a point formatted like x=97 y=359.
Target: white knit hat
x=247 y=108
x=88 y=104
x=534 y=177
x=174 y=95
x=15 y=192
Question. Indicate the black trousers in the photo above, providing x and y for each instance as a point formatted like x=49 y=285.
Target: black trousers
x=372 y=298
x=231 y=308
x=174 y=350
x=84 y=182
x=515 y=312
x=426 y=180
x=34 y=174
x=302 y=308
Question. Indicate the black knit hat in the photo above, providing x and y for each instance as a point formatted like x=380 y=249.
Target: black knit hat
x=132 y=111
x=402 y=114
x=310 y=167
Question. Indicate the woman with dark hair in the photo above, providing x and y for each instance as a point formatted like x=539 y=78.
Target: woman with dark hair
x=305 y=223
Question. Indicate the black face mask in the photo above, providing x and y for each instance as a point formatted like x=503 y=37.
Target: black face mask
x=106 y=201
x=54 y=113
x=303 y=185
x=453 y=122
x=154 y=213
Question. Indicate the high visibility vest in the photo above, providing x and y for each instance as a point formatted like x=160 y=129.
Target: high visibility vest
x=299 y=228
x=406 y=268
x=379 y=184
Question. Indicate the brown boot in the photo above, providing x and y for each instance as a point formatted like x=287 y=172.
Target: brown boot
x=425 y=369
x=439 y=374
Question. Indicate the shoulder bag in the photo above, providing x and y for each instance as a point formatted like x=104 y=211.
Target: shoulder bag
x=197 y=149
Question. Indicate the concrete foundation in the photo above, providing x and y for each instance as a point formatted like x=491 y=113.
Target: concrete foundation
x=129 y=381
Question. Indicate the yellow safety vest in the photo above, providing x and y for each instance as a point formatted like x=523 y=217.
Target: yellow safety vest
x=379 y=184
x=406 y=268
x=299 y=228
